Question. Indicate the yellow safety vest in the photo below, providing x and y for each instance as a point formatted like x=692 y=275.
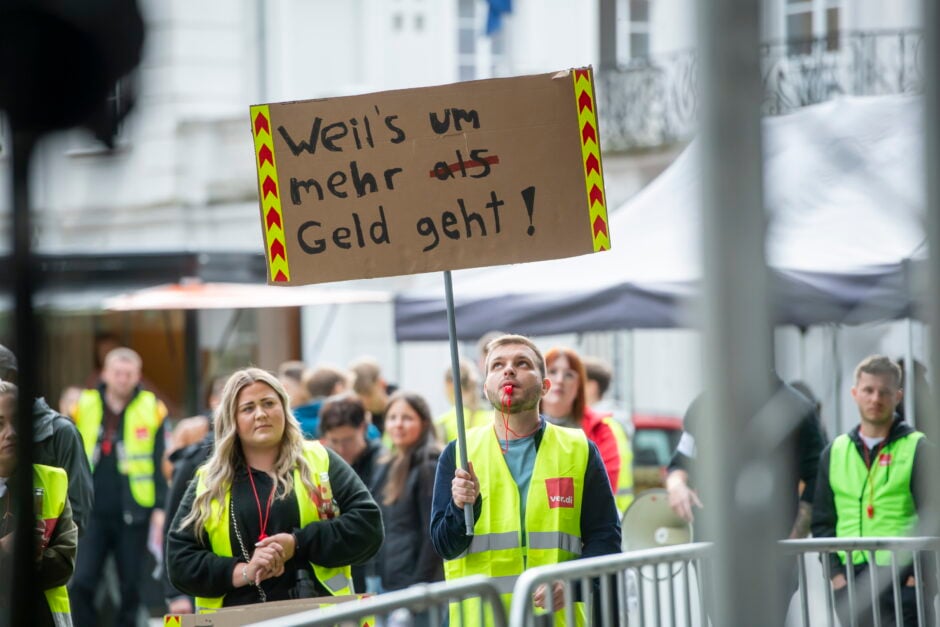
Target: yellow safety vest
x=623 y=491
x=893 y=512
x=55 y=485
x=552 y=532
x=142 y=419
x=447 y=423
x=337 y=581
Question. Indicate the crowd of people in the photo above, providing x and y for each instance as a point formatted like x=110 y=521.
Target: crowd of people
x=323 y=481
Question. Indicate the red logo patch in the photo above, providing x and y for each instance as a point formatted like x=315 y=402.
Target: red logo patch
x=142 y=433
x=884 y=459
x=560 y=492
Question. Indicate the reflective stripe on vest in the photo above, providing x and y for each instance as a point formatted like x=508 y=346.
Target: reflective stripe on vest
x=142 y=419
x=553 y=513
x=493 y=542
x=623 y=491
x=55 y=485
x=338 y=581
x=894 y=513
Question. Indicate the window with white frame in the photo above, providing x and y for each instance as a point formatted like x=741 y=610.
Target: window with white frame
x=479 y=55
x=638 y=28
x=633 y=29
x=807 y=20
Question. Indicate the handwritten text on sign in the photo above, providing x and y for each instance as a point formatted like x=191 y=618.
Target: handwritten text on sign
x=400 y=182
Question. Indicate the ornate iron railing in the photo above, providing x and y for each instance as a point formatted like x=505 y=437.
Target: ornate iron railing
x=654 y=101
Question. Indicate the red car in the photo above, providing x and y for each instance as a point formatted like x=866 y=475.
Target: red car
x=655 y=437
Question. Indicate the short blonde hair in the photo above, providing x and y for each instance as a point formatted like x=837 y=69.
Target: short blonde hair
x=504 y=340
x=123 y=353
x=879 y=365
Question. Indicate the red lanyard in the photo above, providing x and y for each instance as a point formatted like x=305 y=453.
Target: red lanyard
x=262 y=521
x=872 y=466
x=505 y=410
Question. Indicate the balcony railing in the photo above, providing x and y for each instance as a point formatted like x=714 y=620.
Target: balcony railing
x=654 y=101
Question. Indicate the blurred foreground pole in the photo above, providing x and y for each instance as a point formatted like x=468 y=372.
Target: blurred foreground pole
x=26 y=330
x=930 y=424
x=741 y=513
x=42 y=90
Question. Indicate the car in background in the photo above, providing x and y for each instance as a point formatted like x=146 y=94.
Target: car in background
x=654 y=440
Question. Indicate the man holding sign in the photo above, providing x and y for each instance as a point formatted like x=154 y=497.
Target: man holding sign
x=540 y=493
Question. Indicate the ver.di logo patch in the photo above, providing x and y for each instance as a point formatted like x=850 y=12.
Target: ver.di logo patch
x=560 y=492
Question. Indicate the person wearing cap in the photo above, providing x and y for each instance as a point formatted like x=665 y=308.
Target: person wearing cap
x=539 y=492
x=56 y=442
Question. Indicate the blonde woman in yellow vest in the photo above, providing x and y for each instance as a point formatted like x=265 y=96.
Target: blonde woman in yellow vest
x=473 y=414
x=540 y=493
x=56 y=533
x=270 y=516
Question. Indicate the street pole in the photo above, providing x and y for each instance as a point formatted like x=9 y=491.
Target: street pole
x=27 y=347
x=930 y=424
x=741 y=513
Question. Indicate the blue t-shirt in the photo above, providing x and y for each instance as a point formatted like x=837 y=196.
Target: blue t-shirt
x=521 y=461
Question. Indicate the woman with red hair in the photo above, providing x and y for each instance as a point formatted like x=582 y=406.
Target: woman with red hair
x=564 y=404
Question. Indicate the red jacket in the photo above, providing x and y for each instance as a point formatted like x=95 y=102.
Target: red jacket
x=603 y=437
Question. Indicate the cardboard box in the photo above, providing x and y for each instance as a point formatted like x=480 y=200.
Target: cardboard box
x=436 y=178
x=245 y=614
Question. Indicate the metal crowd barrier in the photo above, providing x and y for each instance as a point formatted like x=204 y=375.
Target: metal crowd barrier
x=864 y=593
x=664 y=587
x=650 y=587
x=399 y=607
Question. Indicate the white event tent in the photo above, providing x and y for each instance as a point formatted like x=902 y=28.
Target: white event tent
x=844 y=191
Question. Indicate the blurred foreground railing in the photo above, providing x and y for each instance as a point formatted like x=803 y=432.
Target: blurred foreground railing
x=399 y=607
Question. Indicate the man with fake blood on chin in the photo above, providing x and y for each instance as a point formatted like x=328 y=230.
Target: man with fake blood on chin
x=551 y=479
x=871 y=485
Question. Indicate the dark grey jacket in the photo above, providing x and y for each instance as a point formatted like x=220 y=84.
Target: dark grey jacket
x=59 y=444
x=408 y=557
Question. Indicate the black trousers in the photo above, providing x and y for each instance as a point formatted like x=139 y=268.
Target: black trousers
x=128 y=543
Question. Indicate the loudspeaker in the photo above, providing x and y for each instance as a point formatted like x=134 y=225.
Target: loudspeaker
x=649 y=523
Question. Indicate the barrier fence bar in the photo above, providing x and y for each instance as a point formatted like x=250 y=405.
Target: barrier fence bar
x=917 y=549
x=419 y=598
x=523 y=614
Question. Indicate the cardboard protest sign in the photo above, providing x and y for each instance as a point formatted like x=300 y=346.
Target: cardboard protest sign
x=437 y=178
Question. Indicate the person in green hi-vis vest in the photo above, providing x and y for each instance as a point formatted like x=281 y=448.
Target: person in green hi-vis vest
x=540 y=493
x=870 y=485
